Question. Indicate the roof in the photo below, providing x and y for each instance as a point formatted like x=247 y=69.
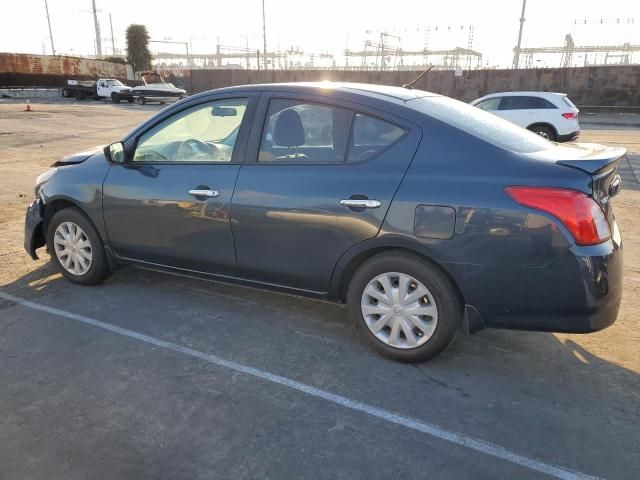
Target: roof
x=383 y=92
x=528 y=93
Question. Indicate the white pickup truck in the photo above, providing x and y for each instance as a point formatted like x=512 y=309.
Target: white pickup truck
x=102 y=88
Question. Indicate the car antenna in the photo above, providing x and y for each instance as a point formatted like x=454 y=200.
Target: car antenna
x=411 y=84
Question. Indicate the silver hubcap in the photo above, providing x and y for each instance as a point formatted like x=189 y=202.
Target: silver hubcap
x=73 y=248
x=399 y=310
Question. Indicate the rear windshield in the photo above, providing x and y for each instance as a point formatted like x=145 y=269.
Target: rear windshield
x=480 y=124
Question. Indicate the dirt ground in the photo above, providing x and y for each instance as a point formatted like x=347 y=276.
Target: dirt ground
x=30 y=142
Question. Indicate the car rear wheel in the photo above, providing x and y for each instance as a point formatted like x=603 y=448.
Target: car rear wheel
x=404 y=306
x=76 y=248
x=544 y=132
x=115 y=98
x=141 y=100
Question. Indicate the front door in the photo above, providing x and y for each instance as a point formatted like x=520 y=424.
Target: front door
x=323 y=181
x=170 y=203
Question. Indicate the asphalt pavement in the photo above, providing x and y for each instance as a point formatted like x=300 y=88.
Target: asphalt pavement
x=161 y=376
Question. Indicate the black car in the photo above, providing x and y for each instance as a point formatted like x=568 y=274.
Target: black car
x=420 y=212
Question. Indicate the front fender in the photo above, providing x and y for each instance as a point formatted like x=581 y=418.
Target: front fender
x=79 y=185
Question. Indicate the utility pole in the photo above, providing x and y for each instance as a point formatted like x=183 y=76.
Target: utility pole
x=46 y=7
x=113 y=41
x=264 y=37
x=97 y=25
x=516 y=51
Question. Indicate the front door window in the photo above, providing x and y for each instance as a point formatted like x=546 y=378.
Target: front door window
x=204 y=133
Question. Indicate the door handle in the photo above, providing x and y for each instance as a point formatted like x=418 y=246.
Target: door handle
x=204 y=193
x=360 y=203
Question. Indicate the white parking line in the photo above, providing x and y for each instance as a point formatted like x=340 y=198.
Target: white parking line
x=413 y=424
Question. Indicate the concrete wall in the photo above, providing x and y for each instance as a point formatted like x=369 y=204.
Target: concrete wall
x=21 y=69
x=606 y=85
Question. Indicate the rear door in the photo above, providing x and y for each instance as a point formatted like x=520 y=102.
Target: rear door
x=320 y=182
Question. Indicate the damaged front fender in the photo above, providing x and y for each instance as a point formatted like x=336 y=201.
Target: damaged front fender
x=33 y=228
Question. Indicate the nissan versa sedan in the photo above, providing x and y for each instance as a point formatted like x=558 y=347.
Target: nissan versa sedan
x=421 y=213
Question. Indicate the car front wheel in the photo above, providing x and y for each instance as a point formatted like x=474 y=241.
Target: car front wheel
x=404 y=306
x=76 y=248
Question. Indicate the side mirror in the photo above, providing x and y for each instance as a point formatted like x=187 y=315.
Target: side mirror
x=115 y=152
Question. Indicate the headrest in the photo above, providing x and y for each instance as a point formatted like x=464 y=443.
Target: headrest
x=288 y=131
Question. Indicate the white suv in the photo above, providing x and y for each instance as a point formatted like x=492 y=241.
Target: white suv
x=551 y=115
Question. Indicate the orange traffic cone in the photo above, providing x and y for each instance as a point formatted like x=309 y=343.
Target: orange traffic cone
x=28 y=109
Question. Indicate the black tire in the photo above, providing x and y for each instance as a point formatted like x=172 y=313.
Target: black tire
x=99 y=268
x=130 y=99
x=444 y=292
x=65 y=93
x=544 y=131
x=115 y=98
x=141 y=100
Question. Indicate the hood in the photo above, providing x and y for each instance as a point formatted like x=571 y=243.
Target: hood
x=77 y=157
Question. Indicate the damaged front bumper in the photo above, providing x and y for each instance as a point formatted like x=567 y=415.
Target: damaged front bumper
x=33 y=228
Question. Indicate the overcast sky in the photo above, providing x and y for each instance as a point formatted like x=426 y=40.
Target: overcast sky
x=320 y=26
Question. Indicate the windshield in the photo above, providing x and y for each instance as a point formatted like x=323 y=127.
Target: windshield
x=115 y=83
x=481 y=124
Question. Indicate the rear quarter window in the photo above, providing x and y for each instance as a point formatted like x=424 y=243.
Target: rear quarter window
x=370 y=136
x=481 y=124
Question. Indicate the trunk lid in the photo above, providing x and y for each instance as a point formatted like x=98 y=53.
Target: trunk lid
x=598 y=161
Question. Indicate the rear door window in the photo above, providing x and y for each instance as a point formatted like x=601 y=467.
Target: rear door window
x=304 y=132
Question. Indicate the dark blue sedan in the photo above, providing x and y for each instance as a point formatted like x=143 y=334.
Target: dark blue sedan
x=420 y=212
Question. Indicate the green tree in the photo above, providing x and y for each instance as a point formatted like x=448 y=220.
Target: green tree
x=138 y=54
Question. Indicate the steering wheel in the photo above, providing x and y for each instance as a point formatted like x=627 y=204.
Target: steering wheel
x=195 y=150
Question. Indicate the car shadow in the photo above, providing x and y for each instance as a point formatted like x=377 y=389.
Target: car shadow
x=555 y=362
x=534 y=352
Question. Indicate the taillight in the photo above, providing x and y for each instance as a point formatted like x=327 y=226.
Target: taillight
x=570 y=115
x=582 y=216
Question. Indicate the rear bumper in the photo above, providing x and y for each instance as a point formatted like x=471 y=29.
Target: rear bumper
x=33 y=229
x=579 y=292
x=569 y=137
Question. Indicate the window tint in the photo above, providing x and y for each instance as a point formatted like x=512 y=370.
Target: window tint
x=304 y=132
x=370 y=136
x=481 y=124
x=204 y=133
x=489 y=105
x=524 y=103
